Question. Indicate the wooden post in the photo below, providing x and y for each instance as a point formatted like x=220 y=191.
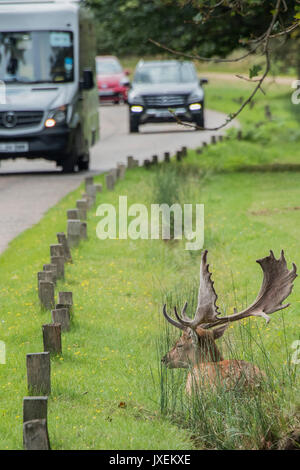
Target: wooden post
x=239 y=135
x=46 y=294
x=52 y=338
x=147 y=163
x=213 y=139
x=38 y=373
x=44 y=276
x=91 y=191
x=110 y=182
x=74 y=232
x=57 y=250
x=89 y=181
x=35 y=435
x=89 y=201
x=82 y=207
x=178 y=155
x=155 y=159
x=135 y=163
x=62 y=316
x=121 y=171
x=167 y=157
x=114 y=174
x=130 y=163
x=98 y=188
x=65 y=298
x=184 y=151
x=34 y=408
x=53 y=269
x=60 y=264
x=72 y=214
x=62 y=239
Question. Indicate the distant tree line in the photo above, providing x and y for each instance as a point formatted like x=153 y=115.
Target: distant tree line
x=203 y=27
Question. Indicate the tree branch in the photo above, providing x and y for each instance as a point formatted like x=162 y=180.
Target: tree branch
x=263 y=41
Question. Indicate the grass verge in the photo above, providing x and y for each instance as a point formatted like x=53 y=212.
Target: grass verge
x=106 y=391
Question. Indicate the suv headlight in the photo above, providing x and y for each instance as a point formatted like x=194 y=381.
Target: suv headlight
x=134 y=98
x=57 y=116
x=196 y=96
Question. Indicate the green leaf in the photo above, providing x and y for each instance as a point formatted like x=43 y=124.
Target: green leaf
x=198 y=17
x=253 y=72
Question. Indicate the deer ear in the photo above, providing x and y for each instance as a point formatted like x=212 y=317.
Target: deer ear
x=218 y=332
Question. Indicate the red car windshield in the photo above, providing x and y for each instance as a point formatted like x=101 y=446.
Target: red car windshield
x=108 y=67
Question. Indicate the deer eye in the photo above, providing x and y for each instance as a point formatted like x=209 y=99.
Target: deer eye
x=179 y=345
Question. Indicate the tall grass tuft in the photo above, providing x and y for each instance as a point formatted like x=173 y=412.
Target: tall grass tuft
x=166 y=190
x=174 y=184
x=238 y=418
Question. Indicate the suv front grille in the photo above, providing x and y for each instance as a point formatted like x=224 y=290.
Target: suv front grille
x=164 y=100
x=20 y=119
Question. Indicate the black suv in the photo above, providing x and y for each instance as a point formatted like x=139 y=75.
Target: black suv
x=161 y=89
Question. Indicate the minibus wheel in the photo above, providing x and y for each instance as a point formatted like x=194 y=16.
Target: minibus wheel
x=72 y=159
x=84 y=162
x=68 y=166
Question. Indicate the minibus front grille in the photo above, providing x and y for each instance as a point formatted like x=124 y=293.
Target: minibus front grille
x=20 y=119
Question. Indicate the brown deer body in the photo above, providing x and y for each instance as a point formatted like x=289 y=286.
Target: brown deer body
x=196 y=348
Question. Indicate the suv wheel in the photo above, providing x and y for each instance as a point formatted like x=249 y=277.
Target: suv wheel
x=134 y=124
x=199 y=121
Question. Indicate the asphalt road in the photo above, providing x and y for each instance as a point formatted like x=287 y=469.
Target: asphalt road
x=29 y=188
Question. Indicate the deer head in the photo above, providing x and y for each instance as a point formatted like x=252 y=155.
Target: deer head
x=197 y=343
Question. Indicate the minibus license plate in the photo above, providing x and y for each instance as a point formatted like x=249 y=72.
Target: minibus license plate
x=14 y=147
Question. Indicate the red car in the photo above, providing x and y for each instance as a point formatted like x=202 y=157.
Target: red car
x=113 y=81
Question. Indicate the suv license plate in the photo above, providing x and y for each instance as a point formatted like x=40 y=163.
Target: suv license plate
x=14 y=147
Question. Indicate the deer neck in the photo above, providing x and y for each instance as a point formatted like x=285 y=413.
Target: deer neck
x=208 y=352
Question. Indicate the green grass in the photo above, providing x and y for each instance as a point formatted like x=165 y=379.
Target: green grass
x=111 y=354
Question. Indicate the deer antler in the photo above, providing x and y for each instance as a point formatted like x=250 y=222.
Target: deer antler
x=276 y=287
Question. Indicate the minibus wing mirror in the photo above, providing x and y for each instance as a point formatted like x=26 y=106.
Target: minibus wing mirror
x=87 y=82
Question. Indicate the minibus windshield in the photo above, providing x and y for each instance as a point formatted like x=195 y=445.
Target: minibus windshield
x=36 y=57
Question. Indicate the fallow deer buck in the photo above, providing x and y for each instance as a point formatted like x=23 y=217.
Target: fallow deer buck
x=196 y=348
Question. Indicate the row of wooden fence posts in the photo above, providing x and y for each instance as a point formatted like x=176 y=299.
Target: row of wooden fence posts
x=38 y=365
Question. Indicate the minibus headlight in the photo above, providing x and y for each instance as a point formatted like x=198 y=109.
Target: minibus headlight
x=57 y=116
x=50 y=123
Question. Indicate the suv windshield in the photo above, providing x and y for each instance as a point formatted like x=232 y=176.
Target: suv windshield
x=36 y=57
x=108 y=67
x=183 y=72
